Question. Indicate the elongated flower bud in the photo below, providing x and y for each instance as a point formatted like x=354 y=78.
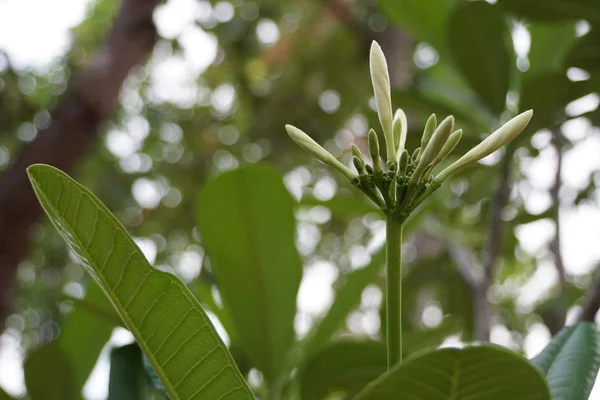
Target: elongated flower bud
x=399 y=126
x=374 y=150
x=359 y=165
x=493 y=142
x=448 y=147
x=357 y=153
x=415 y=155
x=430 y=127
x=403 y=163
x=380 y=78
x=438 y=140
x=312 y=147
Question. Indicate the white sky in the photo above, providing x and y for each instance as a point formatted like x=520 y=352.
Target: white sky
x=34 y=39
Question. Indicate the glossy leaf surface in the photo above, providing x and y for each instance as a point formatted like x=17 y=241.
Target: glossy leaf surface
x=570 y=362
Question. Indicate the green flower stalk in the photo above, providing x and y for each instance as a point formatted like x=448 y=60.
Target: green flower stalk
x=401 y=182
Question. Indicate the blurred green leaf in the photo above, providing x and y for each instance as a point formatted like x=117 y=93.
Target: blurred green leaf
x=418 y=340
x=246 y=220
x=205 y=297
x=127 y=379
x=49 y=374
x=478 y=41
x=461 y=374
x=346 y=299
x=586 y=52
x=426 y=21
x=162 y=314
x=525 y=217
x=345 y=366
x=548 y=94
x=550 y=45
x=553 y=10
x=570 y=362
x=420 y=102
x=86 y=330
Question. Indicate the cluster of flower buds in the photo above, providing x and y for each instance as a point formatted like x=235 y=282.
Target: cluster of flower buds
x=405 y=180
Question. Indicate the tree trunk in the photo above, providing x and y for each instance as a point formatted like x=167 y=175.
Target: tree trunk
x=90 y=101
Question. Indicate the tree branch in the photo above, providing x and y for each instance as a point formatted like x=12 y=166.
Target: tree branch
x=483 y=311
x=75 y=123
x=591 y=302
x=555 y=246
x=464 y=264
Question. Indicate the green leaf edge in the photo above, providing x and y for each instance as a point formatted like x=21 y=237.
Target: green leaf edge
x=425 y=352
x=31 y=171
x=555 y=349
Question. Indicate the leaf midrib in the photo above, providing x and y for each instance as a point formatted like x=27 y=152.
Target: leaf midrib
x=256 y=265
x=150 y=355
x=111 y=294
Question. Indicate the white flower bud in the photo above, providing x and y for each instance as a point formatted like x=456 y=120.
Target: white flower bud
x=380 y=78
x=433 y=148
x=493 y=142
x=312 y=147
x=399 y=127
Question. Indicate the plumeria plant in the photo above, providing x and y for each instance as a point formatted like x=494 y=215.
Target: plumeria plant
x=400 y=183
x=246 y=224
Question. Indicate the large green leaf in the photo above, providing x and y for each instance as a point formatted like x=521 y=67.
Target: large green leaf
x=550 y=45
x=165 y=318
x=553 y=10
x=246 y=221
x=127 y=379
x=570 y=362
x=478 y=41
x=49 y=374
x=473 y=373
x=425 y=20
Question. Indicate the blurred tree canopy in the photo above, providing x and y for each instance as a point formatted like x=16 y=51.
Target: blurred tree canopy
x=146 y=115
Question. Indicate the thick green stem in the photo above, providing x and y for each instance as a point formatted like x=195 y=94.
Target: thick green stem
x=394 y=289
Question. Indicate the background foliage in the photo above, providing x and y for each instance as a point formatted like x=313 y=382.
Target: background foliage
x=180 y=125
